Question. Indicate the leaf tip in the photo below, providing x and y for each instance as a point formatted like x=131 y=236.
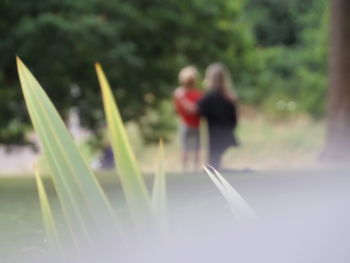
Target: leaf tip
x=161 y=143
x=19 y=62
x=98 y=66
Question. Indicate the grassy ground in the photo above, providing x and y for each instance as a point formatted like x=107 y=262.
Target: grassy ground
x=281 y=192
x=22 y=234
x=265 y=145
x=20 y=221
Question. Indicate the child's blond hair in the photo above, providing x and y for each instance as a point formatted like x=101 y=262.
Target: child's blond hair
x=188 y=76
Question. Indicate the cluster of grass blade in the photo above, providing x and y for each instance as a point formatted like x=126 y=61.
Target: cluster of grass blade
x=87 y=210
x=84 y=204
x=134 y=187
x=55 y=244
x=159 y=198
x=89 y=215
x=239 y=208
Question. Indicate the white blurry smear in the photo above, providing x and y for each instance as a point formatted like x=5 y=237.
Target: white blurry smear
x=300 y=220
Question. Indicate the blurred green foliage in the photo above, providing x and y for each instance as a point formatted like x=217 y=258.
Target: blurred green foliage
x=292 y=52
x=142 y=44
x=158 y=122
x=276 y=50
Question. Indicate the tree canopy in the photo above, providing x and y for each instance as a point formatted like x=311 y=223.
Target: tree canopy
x=292 y=42
x=274 y=49
x=141 y=44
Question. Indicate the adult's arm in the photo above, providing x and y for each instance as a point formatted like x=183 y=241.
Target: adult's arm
x=178 y=93
x=189 y=106
x=185 y=103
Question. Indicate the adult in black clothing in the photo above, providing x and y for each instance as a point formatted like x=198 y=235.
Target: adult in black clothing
x=218 y=107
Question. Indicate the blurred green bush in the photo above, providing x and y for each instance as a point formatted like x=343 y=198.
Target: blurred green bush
x=158 y=122
x=276 y=51
x=142 y=44
x=291 y=57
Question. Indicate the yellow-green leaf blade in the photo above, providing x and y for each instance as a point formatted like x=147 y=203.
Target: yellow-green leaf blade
x=239 y=207
x=159 y=198
x=133 y=184
x=82 y=199
x=48 y=219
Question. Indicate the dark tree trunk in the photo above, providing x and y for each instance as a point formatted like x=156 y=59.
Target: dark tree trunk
x=338 y=130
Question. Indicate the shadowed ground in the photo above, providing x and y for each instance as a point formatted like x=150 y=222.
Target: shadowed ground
x=309 y=200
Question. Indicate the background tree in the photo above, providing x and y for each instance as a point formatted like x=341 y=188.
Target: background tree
x=275 y=50
x=338 y=143
x=292 y=50
x=141 y=44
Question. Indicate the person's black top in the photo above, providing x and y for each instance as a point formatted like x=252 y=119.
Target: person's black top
x=221 y=116
x=218 y=110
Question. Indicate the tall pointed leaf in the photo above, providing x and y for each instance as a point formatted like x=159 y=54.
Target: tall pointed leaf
x=49 y=222
x=132 y=181
x=159 y=200
x=237 y=204
x=82 y=198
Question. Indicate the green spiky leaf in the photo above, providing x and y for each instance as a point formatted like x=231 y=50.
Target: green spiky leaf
x=48 y=219
x=84 y=203
x=159 y=199
x=134 y=187
x=239 y=207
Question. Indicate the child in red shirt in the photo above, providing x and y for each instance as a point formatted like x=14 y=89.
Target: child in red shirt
x=189 y=129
